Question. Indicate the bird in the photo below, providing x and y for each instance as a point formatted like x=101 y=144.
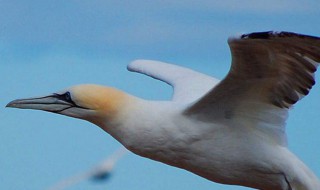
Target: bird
x=100 y=172
x=229 y=131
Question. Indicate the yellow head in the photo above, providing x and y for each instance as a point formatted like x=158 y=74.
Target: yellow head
x=95 y=103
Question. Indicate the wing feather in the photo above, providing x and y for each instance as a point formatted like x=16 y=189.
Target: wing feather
x=188 y=85
x=269 y=73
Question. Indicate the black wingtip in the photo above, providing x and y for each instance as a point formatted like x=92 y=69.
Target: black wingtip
x=104 y=176
x=257 y=35
x=273 y=34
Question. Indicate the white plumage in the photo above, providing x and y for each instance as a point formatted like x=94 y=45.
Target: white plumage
x=230 y=131
x=188 y=85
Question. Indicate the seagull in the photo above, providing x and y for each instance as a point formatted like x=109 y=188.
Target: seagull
x=100 y=172
x=230 y=131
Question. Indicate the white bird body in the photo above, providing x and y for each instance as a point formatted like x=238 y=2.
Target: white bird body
x=220 y=153
x=230 y=131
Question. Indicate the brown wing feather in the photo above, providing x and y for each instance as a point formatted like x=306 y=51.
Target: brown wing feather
x=267 y=68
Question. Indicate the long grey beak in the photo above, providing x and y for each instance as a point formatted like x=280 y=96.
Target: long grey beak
x=52 y=103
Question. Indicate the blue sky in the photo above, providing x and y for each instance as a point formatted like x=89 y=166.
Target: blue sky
x=47 y=46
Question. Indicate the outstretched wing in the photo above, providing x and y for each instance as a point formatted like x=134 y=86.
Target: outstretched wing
x=269 y=73
x=188 y=85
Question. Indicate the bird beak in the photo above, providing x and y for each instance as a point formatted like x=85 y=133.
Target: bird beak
x=52 y=103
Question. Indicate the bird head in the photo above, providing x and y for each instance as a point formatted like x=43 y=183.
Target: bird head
x=93 y=103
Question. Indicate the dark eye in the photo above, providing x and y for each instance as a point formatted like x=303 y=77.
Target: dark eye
x=67 y=97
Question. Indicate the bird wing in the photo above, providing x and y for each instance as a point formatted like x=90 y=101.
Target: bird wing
x=270 y=72
x=188 y=85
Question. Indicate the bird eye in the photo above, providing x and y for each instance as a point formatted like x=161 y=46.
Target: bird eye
x=67 y=97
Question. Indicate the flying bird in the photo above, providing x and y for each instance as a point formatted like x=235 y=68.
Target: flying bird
x=100 y=172
x=230 y=131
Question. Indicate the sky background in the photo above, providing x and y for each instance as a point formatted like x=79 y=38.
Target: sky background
x=46 y=46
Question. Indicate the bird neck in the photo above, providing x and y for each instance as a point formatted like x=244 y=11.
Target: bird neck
x=113 y=109
x=144 y=126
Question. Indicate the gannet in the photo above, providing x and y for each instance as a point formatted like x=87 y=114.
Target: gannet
x=100 y=172
x=230 y=131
